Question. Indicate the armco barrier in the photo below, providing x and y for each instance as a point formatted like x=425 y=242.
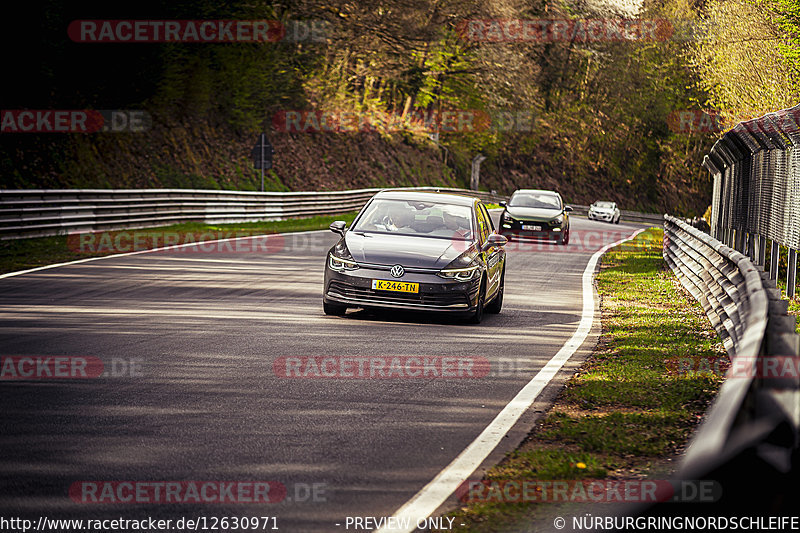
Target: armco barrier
x=750 y=437
x=44 y=212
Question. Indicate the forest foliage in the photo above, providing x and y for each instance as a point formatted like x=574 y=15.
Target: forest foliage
x=599 y=115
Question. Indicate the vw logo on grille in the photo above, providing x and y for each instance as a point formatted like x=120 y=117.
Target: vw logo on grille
x=397 y=271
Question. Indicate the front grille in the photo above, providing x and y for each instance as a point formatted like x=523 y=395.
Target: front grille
x=516 y=225
x=339 y=289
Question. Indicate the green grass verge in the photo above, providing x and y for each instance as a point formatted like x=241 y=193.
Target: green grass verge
x=21 y=254
x=628 y=411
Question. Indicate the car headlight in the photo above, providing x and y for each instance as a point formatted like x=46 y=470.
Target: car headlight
x=339 y=265
x=460 y=274
x=506 y=217
x=339 y=259
x=462 y=268
x=557 y=221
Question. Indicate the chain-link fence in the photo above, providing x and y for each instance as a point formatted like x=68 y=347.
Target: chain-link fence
x=756 y=169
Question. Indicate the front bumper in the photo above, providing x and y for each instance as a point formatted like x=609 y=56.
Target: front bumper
x=354 y=288
x=516 y=231
x=605 y=217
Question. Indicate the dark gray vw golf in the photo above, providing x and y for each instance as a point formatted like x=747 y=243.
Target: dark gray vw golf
x=421 y=251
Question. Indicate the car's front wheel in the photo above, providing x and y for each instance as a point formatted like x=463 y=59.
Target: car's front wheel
x=477 y=315
x=564 y=238
x=497 y=304
x=334 y=309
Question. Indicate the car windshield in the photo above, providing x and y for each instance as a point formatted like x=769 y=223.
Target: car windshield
x=604 y=205
x=409 y=217
x=540 y=200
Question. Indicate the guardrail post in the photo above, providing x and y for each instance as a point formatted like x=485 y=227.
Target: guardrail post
x=761 y=255
x=791 y=273
x=774 y=257
x=739 y=242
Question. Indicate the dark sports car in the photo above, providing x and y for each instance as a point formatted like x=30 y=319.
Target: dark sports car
x=535 y=214
x=419 y=251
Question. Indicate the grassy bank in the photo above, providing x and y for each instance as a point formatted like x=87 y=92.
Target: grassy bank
x=629 y=410
x=21 y=254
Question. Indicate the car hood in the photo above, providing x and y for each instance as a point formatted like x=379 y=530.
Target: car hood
x=532 y=213
x=406 y=250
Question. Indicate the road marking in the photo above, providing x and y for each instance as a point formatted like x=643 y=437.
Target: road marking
x=161 y=249
x=426 y=501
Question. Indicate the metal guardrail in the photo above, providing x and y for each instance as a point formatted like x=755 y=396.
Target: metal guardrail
x=724 y=281
x=756 y=169
x=45 y=212
x=753 y=427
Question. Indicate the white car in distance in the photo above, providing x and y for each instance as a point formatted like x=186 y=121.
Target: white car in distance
x=604 y=211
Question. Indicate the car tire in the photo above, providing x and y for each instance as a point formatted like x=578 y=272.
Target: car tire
x=477 y=315
x=564 y=239
x=496 y=305
x=334 y=309
x=617 y=222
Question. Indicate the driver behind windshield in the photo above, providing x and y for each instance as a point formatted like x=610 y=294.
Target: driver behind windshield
x=541 y=201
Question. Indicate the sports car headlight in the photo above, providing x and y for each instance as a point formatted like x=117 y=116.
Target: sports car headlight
x=557 y=221
x=462 y=268
x=340 y=259
x=506 y=217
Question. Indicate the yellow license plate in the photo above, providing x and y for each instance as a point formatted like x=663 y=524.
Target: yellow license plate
x=396 y=286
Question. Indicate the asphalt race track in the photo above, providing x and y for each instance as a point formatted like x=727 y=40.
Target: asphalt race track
x=189 y=341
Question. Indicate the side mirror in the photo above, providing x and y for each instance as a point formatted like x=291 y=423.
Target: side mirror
x=338 y=227
x=495 y=239
x=502 y=203
x=568 y=209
